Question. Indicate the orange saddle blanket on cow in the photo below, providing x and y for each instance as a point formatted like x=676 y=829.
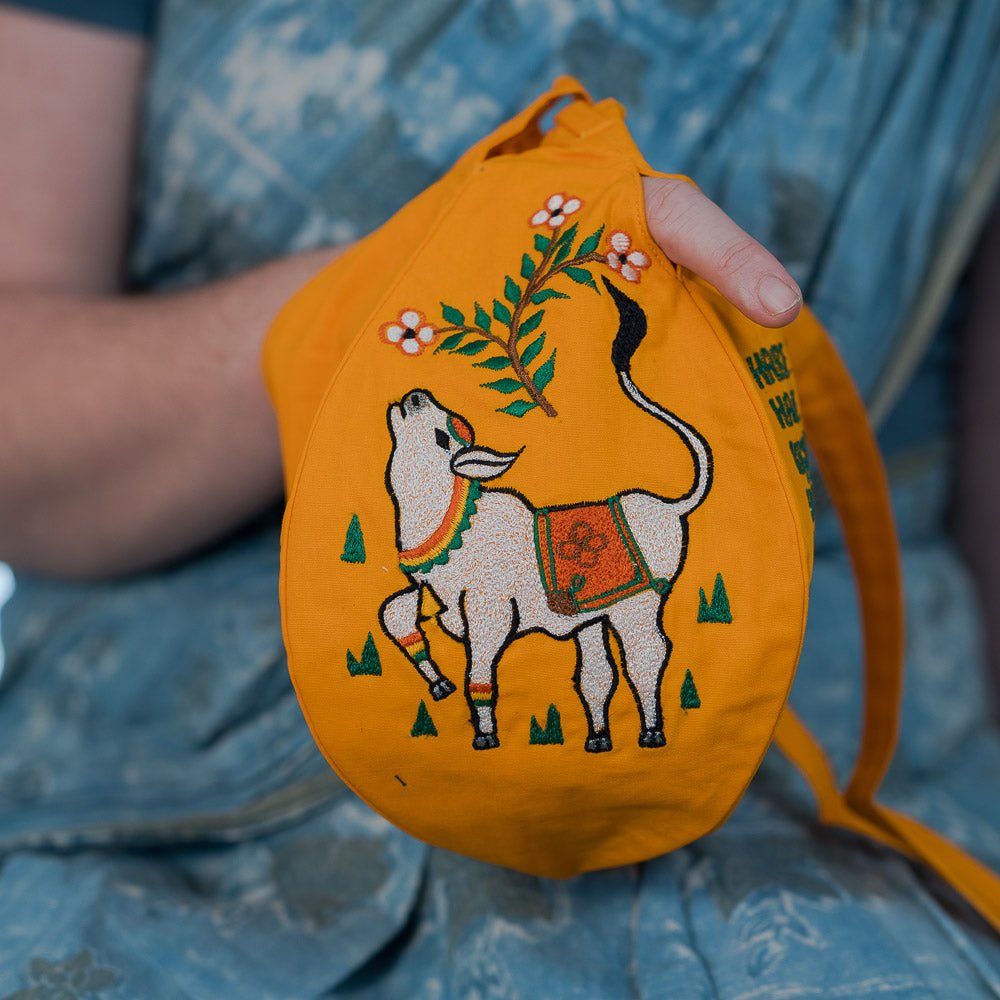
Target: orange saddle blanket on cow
x=588 y=557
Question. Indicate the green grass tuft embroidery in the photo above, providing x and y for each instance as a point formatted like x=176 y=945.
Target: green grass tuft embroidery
x=689 y=693
x=354 y=543
x=551 y=734
x=503 y=324
x=370 y=664
x=424 y=724
x=718 y=610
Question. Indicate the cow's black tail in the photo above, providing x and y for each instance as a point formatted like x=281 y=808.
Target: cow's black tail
x=631 y=331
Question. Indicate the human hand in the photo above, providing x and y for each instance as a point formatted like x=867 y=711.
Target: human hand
x=693 y=231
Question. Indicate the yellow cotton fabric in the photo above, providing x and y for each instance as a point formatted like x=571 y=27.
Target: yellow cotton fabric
x=557 y=809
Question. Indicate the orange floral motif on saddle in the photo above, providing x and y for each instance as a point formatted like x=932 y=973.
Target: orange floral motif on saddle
x=588 y=557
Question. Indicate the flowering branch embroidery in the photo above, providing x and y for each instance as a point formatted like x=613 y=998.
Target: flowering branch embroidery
x=515 y=315
x=507 y=339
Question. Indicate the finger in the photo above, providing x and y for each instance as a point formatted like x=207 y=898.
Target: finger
x=695 y=232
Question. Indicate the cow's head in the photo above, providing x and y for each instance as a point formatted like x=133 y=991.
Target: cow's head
x=432 y=445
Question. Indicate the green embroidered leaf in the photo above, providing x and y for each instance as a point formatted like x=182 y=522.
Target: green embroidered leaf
x=482 y=319
x=527 y=266
x=511 y=292
x=450 y=343
x=494 y=364
x=562 y=252
x=518 y=408
x=547 y=293
x=542 y=243
x=589 y=245
x=570 y=234
x=472 y=347
x=543 y=376
x=531 y=323
x=532 y=351
x=452 y=315
x=501 y=312
x=581 y=276
x=504 y=385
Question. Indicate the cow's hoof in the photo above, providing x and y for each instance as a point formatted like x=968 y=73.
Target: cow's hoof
x=598 y=744
x=485 y=741
x=442 y=688
x=652 y=738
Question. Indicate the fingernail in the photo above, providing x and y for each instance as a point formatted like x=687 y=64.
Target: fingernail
x=777 y=297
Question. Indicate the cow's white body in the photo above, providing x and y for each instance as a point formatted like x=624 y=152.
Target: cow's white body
x=497 y=561
x=489 y=585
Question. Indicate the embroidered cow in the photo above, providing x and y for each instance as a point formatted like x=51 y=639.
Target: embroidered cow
x=501 y=568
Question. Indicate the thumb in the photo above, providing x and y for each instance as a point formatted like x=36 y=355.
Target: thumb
x=693 y=231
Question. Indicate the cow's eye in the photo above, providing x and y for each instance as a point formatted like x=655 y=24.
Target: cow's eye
x=442 y=439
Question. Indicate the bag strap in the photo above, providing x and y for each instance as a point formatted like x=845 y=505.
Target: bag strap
x=840 y=436
x=523 y=130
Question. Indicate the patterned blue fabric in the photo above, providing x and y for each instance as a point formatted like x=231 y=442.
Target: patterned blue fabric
x=167 y=827
x=132 y=16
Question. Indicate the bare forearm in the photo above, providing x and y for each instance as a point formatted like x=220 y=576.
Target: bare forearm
x=135 y=429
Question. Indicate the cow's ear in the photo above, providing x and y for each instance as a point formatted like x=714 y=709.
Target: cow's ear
x=482 y=463
x=395 y=415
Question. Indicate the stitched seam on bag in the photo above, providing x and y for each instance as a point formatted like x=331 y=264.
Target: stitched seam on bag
x=728 y=349
x=289 y=515
x=363 y=328
x=641 y=224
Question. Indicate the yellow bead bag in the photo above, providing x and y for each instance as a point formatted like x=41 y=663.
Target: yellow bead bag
x=548 y=542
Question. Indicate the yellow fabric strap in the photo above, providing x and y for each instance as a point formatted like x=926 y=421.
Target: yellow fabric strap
x=523 y=131
x=847 y=455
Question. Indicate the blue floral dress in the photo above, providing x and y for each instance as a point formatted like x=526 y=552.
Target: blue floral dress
x=167 y=828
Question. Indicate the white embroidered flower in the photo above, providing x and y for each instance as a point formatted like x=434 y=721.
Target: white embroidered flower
x=557 y=207
x=622 y=258
x=409 y=333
